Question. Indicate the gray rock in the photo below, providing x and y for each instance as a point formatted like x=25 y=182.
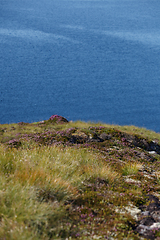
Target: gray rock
x=105 y=136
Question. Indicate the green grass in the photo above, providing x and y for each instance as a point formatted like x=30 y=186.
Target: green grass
x=131 y=168
x=51 y=188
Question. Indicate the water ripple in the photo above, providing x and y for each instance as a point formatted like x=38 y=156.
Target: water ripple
x=36 y=35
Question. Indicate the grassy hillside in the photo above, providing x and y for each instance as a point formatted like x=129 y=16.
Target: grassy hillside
x=76 y=180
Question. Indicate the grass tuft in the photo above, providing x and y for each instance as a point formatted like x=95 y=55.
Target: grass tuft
x=131 y=168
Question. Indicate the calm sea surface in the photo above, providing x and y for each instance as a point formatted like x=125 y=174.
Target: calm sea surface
x=95 y=60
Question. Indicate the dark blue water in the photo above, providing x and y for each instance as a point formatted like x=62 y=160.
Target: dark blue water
x=95 y=60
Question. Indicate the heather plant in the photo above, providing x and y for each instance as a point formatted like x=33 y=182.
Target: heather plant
x=57 y=119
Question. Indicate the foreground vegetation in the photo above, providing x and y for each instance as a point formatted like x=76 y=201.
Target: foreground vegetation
x=76 y=180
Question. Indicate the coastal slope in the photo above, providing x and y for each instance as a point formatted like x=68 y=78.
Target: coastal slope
x=78 y=180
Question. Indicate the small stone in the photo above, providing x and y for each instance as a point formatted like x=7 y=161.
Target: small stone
x=145 y=213
x=156 y=215
x=152 y=152
x=133 y=210
x=130 y=180
x=155 y=225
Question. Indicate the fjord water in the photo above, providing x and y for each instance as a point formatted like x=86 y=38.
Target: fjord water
x=95 y=60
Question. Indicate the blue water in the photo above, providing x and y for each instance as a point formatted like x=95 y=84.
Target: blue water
x=91 y=60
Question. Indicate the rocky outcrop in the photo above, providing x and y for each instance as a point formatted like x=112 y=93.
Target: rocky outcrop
x=149 y=221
